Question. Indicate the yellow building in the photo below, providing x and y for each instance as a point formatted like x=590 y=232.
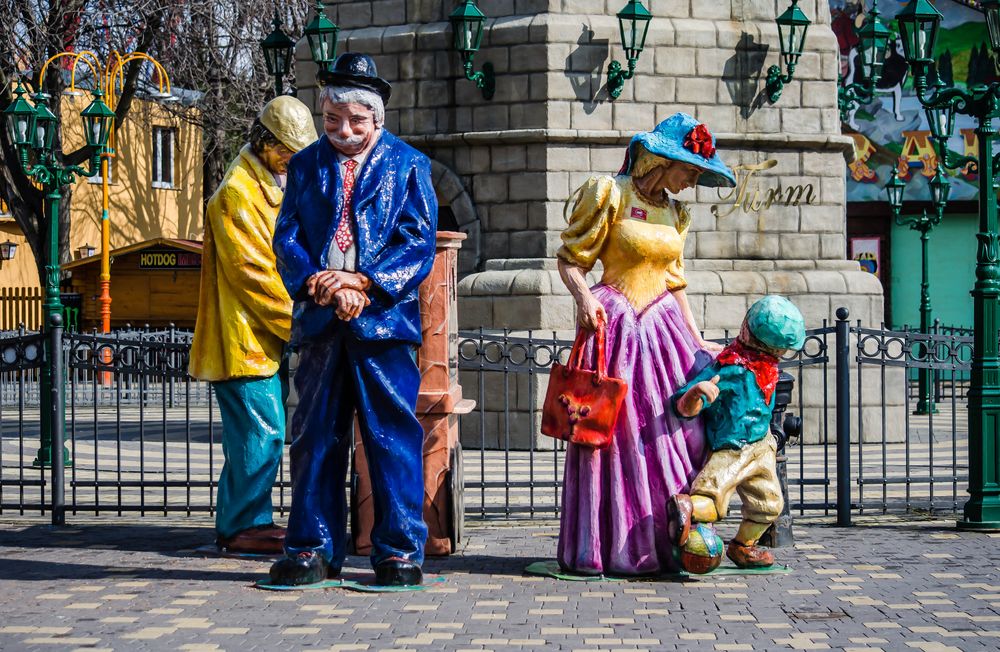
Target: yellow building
x=155 y=192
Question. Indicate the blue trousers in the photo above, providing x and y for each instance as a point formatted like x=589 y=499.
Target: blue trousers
x=253 y=432
x=379 y=381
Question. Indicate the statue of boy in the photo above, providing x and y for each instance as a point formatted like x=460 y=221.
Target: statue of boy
x=735 y=395
x=354 y=239
x=244 y=319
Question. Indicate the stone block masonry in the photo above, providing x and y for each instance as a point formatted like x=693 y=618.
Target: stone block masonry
x=517 y=158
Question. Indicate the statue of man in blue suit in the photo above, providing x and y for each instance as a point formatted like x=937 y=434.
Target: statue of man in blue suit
x=354 y=239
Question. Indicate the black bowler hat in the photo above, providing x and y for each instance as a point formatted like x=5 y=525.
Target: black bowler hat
x=356 y=70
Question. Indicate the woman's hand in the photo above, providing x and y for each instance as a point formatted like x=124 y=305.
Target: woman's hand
x=589 y=312
x=711 y=347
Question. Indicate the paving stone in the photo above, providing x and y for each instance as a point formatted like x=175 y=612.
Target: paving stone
x=134 y=584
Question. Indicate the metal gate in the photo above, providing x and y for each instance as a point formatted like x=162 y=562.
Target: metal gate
x=144 y=437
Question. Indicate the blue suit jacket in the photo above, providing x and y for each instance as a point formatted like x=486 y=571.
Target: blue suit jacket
x=395 y=226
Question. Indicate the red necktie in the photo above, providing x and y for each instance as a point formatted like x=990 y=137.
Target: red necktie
x=343 y=236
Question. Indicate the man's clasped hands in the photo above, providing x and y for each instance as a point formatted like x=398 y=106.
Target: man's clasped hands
x=344 y=290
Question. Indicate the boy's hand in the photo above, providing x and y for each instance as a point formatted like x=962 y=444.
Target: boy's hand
x=698 y=397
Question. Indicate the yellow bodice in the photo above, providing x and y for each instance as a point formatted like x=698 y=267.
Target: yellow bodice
x=640 y=244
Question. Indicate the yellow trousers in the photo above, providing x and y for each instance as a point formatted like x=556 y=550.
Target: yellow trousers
x=750 y=471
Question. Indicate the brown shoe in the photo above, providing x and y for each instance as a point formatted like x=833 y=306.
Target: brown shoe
x=679 y=518
x=746 y=556
x=261 y=540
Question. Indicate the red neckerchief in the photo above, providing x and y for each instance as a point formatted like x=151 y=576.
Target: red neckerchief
x=763 y=366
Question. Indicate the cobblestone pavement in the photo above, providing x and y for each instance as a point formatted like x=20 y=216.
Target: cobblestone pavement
x=119 y=584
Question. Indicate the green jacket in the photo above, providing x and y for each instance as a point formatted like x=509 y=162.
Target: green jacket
x=739 y=416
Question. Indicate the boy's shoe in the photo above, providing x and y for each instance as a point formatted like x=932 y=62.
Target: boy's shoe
x=751 y=556
x=679 y=518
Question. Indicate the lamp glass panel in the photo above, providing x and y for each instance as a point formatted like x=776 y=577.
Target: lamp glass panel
x=7 y=250
x=323 y=45
x=940 y=189
x=906 y=29
x=468 y=34
x=22 y=129
x=941 y=122
x=280 y=62
x=895 y=189
x=44 y=129
x=20 y=117
x=926 y=37
x=993 y=24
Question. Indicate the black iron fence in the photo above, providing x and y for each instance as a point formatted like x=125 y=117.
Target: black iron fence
x=143 y=437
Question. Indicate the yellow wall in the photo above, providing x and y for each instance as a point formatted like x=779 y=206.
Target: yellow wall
x=138 y=211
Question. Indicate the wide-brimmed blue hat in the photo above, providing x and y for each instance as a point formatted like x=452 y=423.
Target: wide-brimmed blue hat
x=777 y=323
x=678 y=138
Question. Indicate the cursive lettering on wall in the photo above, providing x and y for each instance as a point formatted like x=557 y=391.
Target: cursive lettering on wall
x=750 y=197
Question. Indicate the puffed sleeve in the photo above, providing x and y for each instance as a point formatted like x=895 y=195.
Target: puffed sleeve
x=594 y=211
x=675 y=267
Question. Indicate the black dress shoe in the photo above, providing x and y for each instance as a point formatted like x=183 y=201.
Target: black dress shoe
x=397 y=572
x=304 y=568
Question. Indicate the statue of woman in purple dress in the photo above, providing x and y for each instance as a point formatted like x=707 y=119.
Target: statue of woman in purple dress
x=614 y=515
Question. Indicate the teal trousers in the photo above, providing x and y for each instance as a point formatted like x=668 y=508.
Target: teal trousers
x=253 y=433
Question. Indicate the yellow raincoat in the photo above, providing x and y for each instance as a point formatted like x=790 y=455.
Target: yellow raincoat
x=244 y=311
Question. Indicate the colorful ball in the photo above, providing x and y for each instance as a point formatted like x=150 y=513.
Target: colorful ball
x=703 y=550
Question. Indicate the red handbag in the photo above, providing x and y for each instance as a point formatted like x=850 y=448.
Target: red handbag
x=582 y=406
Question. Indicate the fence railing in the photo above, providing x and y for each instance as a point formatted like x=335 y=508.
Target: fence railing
x=144 y=437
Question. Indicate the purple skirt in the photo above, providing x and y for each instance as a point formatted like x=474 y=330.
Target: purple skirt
x=614 y=517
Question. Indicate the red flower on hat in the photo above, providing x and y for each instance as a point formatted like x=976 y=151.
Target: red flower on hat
x=699 y=141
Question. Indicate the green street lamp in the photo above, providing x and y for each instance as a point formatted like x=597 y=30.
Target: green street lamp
x=792 y=28
x=45 y=125
x=97 y=121
x=20 y=118
x=467 y=25
x=278 y=49
x=321 y=33
x=35 y=134
x=633 y=23
x=918 y=25
x=922 y=224
x=873 y=46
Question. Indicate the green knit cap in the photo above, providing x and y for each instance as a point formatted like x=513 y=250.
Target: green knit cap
x=777 y=323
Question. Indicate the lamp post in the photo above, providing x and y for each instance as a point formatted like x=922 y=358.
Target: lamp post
x=278 y=54
x=34 y=130
x=108 y=77
x=467 y=25
x=633 y=23
x=873 y=39
x=923 y=224
x=919 y=22
x=792 y=27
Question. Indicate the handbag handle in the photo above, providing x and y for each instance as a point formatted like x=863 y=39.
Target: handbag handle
x=576 y=354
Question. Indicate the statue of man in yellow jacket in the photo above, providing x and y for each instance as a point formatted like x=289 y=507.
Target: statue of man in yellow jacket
x=244 y=319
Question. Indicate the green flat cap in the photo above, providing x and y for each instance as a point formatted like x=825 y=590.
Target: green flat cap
x=776 y=322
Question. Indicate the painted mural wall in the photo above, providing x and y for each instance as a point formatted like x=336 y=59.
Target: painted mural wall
x=892 y=129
